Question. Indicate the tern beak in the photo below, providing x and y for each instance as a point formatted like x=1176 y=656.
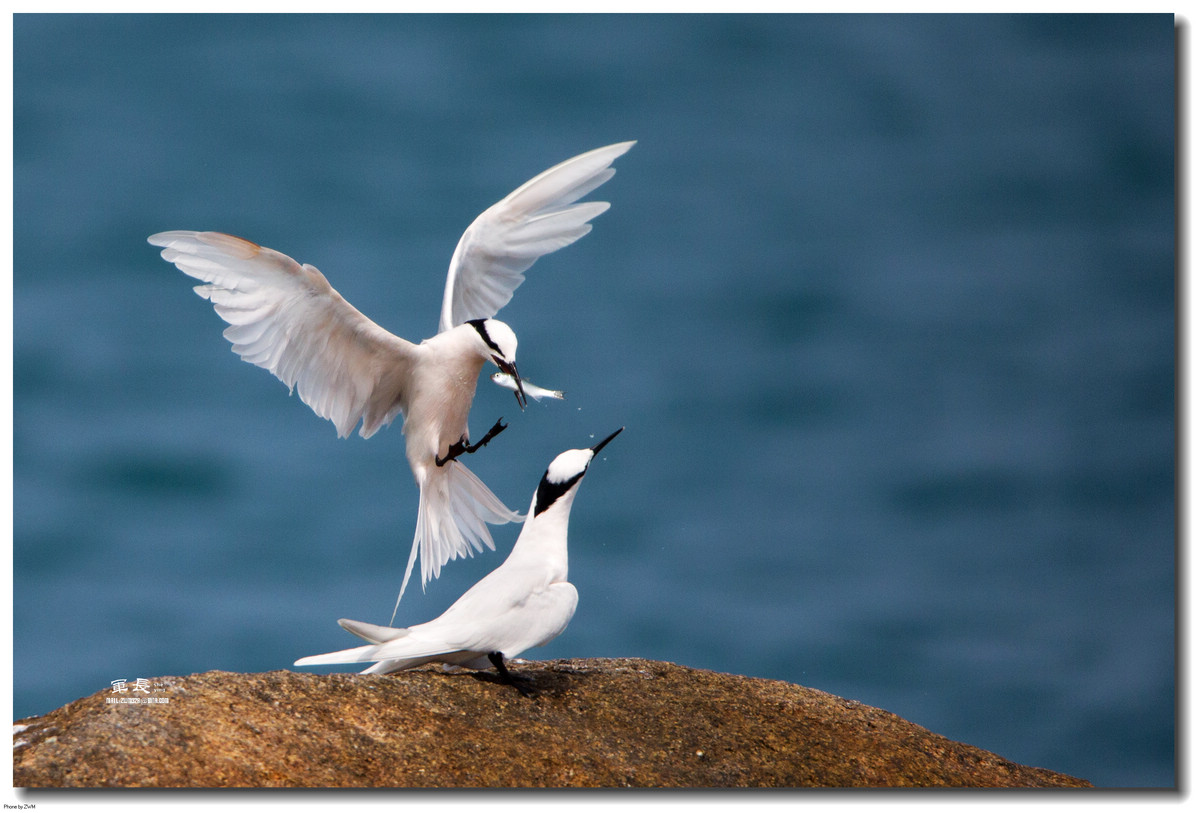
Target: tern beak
x=511 y=369
x=596 y=449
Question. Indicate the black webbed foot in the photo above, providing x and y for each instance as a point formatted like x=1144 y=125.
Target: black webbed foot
x=498 y=427
x=461 y=446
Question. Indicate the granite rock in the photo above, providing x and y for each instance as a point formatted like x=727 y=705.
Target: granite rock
x=592 y=723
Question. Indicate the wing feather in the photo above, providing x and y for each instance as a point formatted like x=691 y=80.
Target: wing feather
x=372 y=632
x=537 y=218
x=287 y=318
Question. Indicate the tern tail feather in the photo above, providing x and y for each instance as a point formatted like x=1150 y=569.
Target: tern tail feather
x=355 y=655
x=453 y=513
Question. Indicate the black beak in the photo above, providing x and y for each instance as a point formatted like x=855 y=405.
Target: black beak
x=511 y=369
x=596 y=449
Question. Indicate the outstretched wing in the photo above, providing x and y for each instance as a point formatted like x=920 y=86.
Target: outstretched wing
x=539 y=217
x=286 y=318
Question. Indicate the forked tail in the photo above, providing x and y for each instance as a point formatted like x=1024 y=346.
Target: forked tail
x=452 y=517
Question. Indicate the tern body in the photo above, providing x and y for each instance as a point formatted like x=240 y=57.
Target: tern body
x=288 y=319
x=526 y=602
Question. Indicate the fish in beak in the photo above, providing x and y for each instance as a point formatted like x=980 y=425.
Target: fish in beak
x=511 y=369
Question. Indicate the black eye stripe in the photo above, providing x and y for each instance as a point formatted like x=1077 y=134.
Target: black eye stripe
x=483 y=334
x=549 y=492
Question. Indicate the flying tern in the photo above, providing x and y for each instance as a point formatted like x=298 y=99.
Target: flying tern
x=286 y=318
x=525 y=602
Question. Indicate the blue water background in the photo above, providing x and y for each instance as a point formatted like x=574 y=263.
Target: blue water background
x=886 y=304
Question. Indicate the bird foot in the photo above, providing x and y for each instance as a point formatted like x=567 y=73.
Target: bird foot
x=461 y=446
x=507 y=677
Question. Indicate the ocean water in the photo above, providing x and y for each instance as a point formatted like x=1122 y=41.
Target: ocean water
x=886 y=305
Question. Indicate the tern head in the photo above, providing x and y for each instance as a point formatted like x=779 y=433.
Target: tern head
x=500 y=346
x=565 y=473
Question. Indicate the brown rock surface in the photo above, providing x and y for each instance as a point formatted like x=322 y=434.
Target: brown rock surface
x=594 y=723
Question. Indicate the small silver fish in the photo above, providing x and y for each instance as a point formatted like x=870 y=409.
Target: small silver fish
x=532 y=390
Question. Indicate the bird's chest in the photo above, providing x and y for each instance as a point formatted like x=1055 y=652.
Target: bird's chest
x=443 y=392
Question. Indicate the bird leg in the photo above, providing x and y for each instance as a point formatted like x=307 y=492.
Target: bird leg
x=506 y=676
x=498 y=427
x=461 y=446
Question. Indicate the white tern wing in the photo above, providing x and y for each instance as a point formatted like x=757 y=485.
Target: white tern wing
x=372 y=632
x=286 y=318
x=538 y=218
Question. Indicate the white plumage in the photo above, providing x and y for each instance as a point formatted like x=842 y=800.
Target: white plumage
x=525 y=602
x=286 y=318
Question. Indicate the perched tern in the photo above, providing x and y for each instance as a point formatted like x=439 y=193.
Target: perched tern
x=530 y=389
x=286 y=318
x=525 y=602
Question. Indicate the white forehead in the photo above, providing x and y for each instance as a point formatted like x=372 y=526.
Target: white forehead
x=503 y=336
x=568 y=464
